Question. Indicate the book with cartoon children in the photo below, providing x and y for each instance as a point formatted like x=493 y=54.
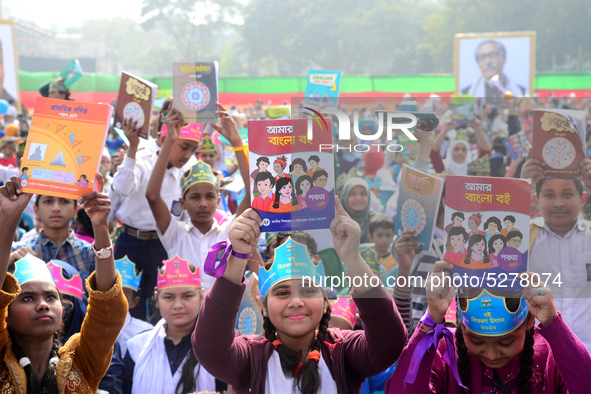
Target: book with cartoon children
x=195 y=90
x=559 y=140
x=418 y=200
x=135 y=101
x=64 y=147
x=292 y=177
x=487 y=229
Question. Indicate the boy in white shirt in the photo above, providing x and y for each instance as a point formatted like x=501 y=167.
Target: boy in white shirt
x=200 y=197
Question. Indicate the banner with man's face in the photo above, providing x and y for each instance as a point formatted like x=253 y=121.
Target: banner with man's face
x=490 y=64
x=8 y=62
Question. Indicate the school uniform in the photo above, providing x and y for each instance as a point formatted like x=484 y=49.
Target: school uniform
x=131 y=328
x=138 y=238
x=154 y=364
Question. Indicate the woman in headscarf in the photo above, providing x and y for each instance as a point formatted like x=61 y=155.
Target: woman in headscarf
x=356 y=201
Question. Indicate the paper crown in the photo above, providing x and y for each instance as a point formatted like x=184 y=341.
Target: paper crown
x=291 y=262
x=192 y=131
x=31 y=268
x=206 y=144
x=66 y=278
x=487 y=314
x=481 y=164
x=178 y=274
x=200 y=172
x=127 y=270
x=344 y=308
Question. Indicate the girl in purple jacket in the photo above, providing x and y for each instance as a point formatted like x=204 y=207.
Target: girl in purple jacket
x=498 y=349
x=298 y=352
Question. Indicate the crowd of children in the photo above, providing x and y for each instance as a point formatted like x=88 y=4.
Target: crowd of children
x=128 y=271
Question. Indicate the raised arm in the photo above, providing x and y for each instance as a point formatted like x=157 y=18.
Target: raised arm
x=230 y=131
x=12 y=204
x=174 y=123
x=125 y=180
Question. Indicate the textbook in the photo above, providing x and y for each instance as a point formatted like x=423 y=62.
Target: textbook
x=135 y=101
x=250 y=320
x=64 y=147
x=418 y=202
x=559 y=140
x=71 y=73
x=293 y=181
x=517 y=145
x=322 y=88
x=462 y=109
x=487 y=229
x=195 y=90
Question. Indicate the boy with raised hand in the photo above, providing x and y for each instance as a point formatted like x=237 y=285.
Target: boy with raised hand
x=138 y=238
x=200 y=196
x=56 y=240
x=560 y=243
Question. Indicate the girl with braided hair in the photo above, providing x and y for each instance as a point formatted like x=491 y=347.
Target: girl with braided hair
x=498 y=348
x=32 y=309
x=297 y=353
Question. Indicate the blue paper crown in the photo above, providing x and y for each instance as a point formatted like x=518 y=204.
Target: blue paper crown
x=487 y=314
x=291 y=262
x=127 y=270
x=31 y=268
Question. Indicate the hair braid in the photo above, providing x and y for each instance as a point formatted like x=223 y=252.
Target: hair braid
x=308 y=376
x=188 y=379
x=464 y=368
x=289 y=358
x=527 y=358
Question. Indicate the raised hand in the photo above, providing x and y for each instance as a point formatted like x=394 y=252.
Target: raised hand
x=406 y=246
x=346 y=234
x=12 y=199
x=97 y=205
x=540 y=300
x=532 y=168
x=174 y=124
x=228 y=128
x=132 y=132
x=440 y=292
x=245 y=232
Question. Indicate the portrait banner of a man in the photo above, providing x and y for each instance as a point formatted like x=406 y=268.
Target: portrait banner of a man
x=491 y=64
x=8 y=62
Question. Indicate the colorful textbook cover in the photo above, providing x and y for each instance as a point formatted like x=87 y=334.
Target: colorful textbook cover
x=322 y=87
x=487 y=224
x=462 y=109
x=293 y=182
x=64 y=147
x=517 y=145
x=559 y=140
x=135 y=101
x=195 y=90
x=418 y=200
x=71 y=73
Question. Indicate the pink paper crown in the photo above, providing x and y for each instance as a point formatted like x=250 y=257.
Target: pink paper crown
x=345 y=309
x=178 y=274
x=192 y=131
x=72 y=287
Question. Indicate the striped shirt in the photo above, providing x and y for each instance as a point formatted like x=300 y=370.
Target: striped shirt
x=73 y=251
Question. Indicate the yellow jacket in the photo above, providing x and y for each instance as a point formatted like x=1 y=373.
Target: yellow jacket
x=85 y=358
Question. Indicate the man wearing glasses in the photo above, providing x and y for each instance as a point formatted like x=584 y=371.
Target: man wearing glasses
x=491 y=56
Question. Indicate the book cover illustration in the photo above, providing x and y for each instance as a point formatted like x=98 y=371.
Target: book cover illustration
x=462 y=109
x=517 y=145
x=195 y=90
x=559 y=140
x=418 y=201
x=487 y=229
x=135 y=101
x=71 y=73
x=293 y=181
x=322 y=88
x=64 y=147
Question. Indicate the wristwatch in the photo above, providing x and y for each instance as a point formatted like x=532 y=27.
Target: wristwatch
x=104 y=253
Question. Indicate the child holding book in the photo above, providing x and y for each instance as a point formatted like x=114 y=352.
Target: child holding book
x=32 y=309
x=161 y=360
x=199 y=195
x=293 y=354
x=506 y=355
